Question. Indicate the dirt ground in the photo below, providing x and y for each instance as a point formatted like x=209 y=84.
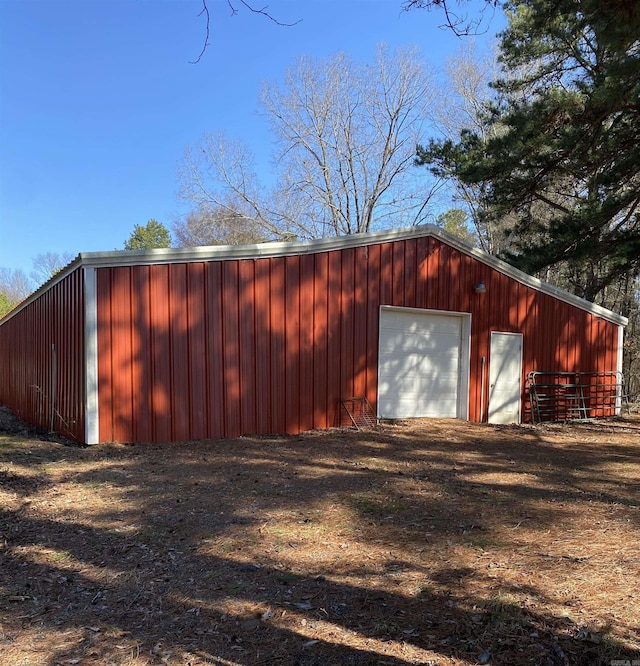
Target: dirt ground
x=428 y=542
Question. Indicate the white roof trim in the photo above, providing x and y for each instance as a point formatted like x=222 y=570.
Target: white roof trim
x=265 y=250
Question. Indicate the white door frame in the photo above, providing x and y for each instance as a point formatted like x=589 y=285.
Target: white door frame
x=493 y=416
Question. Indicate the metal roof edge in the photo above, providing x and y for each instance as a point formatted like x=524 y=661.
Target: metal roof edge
x=529 y=280
x=58 y=277
x=254 y=251
x=281 y=249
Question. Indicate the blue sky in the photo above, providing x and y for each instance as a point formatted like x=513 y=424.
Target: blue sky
x=98 y=101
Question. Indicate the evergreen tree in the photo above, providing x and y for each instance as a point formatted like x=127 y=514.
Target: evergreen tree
x=454 y=221
x=562 y=162
x=6 y=303
x=153 y=235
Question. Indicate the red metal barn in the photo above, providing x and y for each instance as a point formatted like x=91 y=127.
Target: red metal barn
x=170 y=345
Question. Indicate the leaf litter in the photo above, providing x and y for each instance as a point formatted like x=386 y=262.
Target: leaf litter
x=422 y=542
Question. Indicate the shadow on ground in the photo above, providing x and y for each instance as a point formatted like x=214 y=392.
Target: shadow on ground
x=439 y=542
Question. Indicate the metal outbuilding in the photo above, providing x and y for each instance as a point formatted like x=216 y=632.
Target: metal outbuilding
x=181 y=344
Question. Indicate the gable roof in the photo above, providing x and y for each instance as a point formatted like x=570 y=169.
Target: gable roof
x=276 y=249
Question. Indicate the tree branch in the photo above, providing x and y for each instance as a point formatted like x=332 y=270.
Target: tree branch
x=461 y=26
x=262 y=12
x=205 y=11
x=234 y=11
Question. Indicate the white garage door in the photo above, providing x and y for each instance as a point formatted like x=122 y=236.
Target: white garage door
x=421 y=364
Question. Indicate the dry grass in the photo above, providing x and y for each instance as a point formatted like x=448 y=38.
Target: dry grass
x=433 y=542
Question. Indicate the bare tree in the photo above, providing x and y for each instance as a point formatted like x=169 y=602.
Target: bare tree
x=15 y=286
x=346 y=133
x=46 y=265
x=345 y=144
x=218 y=178
x=465 y=106
x=467 y=90
x=467 y=96
x=215 y=227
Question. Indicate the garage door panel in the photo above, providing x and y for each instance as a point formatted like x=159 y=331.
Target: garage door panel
x=426 y=365
x=399 y=368
x=441 y=362
x=419 y=364
x=402 y=349
x=415 y=382
x=412 y=343
x=405 y=409
x=414 y=321
x=403 y=385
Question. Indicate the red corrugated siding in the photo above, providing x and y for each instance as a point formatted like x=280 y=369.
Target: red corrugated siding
x=224 y=348
x=35 y=380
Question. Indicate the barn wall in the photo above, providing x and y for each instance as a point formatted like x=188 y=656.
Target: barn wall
x=42 y=359
x=266 y=345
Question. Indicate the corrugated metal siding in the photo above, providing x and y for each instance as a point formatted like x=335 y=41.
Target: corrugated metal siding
x=42 y=372
x=224 y=348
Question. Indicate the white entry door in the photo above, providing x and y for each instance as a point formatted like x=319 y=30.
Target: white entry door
x=505 y=377
x=423 y=364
